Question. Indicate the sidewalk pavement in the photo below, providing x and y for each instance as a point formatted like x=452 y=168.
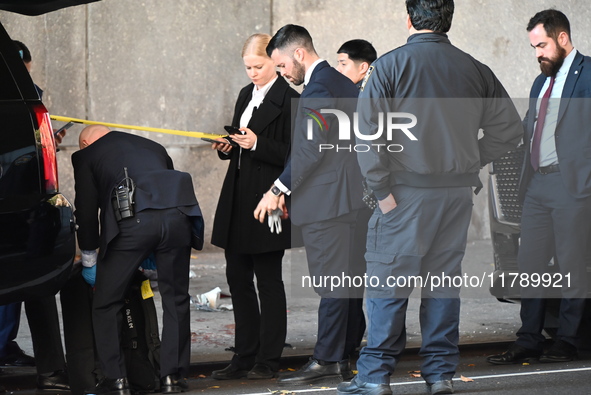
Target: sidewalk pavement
x=483 y=318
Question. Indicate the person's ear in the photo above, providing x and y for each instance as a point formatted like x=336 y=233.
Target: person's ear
x=363 y=67
x=563 y=39
x=408 y=22
x=298 y=55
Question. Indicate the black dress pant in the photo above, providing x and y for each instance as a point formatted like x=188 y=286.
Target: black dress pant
x=43 y=319
x=167 y=233
x=333 y=250
x=553 y=224
x=76 y=301
x=260 y=333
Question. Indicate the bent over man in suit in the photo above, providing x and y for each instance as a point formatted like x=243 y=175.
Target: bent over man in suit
x=555 y=189
x=326 y=198
x=159 y=222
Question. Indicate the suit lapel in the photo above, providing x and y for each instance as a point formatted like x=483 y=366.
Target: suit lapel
x=241 y=103
x=569 y=85
x=270 y=108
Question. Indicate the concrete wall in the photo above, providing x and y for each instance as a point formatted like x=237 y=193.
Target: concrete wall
x=177 y=64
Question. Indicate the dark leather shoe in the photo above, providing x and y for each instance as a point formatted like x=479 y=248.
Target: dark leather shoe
x=515 y=354
x=560 y=351
x=173 y=384
x=346 y=371
x=442 y=387
x=359 y=387
x=108 y=386
x=230 y=372
x=56 y=381
x=260 y=371
x=313 y=371
x=18 y=358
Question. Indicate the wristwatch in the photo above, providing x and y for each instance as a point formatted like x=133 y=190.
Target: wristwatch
x=276 y=191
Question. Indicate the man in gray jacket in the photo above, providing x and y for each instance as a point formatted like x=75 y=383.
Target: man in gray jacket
x=421 y=111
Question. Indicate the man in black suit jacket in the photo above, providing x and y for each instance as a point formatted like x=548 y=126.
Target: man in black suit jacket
x=555 y=188
x=164 y=202
x=326 y=194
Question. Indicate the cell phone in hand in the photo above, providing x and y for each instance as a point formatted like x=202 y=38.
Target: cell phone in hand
x=225 y=141
x=233 y=130
x=65 y=127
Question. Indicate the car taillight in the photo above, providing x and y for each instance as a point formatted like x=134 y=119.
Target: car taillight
x=47 y=148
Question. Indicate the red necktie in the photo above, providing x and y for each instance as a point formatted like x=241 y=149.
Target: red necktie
x=535 y=144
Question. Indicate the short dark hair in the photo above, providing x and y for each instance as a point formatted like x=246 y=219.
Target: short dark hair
x=433 y=15
x=554 y=22
x=25 y=54
x=359 y=50
x=291 y=35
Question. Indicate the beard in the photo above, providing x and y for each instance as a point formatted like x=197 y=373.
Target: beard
x=299 y=73
x=550 y=66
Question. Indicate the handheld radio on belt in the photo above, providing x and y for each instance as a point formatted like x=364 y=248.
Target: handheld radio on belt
x=122 y=199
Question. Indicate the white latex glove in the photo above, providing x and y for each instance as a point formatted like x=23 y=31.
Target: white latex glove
x=274 y=221
x=89 y=258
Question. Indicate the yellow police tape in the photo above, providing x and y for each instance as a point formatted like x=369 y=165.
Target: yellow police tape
x=144 y=128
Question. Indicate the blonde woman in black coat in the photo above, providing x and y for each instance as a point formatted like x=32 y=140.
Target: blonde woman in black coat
x=262 y=114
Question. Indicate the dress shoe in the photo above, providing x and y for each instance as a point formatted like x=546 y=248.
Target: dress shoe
x=230 y=372
x=108 y=386
x=18 y=358
x=173 y=384
x=260 y=371
x=312 y=372
x=358 y=387
x=515 y=354
x=346 y=371
x=56 y=381
x=560 y=351
x=442 y=387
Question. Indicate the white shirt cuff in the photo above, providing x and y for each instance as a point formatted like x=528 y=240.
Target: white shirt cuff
x=282 y=187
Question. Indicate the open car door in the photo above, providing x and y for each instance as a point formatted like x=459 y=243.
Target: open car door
x=38 y=7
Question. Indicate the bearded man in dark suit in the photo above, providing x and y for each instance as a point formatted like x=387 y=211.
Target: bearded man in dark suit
x=325 y=189
x=555 y=189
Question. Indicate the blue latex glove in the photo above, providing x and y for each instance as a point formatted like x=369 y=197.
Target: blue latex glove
x=149 y=263
x=89 y=275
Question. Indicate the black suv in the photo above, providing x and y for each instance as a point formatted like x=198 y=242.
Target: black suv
x=505 y=220
x=37 y=242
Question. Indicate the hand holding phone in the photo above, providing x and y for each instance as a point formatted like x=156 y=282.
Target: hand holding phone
x=224 y=141
x=233 y=130
x=65 y=127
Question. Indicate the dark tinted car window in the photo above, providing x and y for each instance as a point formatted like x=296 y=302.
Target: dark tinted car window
x=8 y=88
x=19 y=170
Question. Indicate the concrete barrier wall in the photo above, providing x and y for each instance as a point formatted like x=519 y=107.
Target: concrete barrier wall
x=177 y=64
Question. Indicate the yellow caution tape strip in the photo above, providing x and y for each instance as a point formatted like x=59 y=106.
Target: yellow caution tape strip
x=144 y=128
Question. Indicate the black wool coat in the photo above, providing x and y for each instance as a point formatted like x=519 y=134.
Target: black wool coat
x=235 y=228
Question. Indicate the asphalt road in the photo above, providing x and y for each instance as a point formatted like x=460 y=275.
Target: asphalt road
x=474 y=376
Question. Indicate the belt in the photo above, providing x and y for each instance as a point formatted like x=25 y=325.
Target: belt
x=548 y=169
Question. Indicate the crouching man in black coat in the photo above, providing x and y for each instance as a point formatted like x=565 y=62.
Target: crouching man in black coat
x=145 y=206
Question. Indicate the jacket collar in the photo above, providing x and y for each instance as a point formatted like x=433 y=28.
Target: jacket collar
x=319 y=66
x=428 y=37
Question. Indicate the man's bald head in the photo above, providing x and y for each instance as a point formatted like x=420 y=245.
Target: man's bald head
x=90 y=134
